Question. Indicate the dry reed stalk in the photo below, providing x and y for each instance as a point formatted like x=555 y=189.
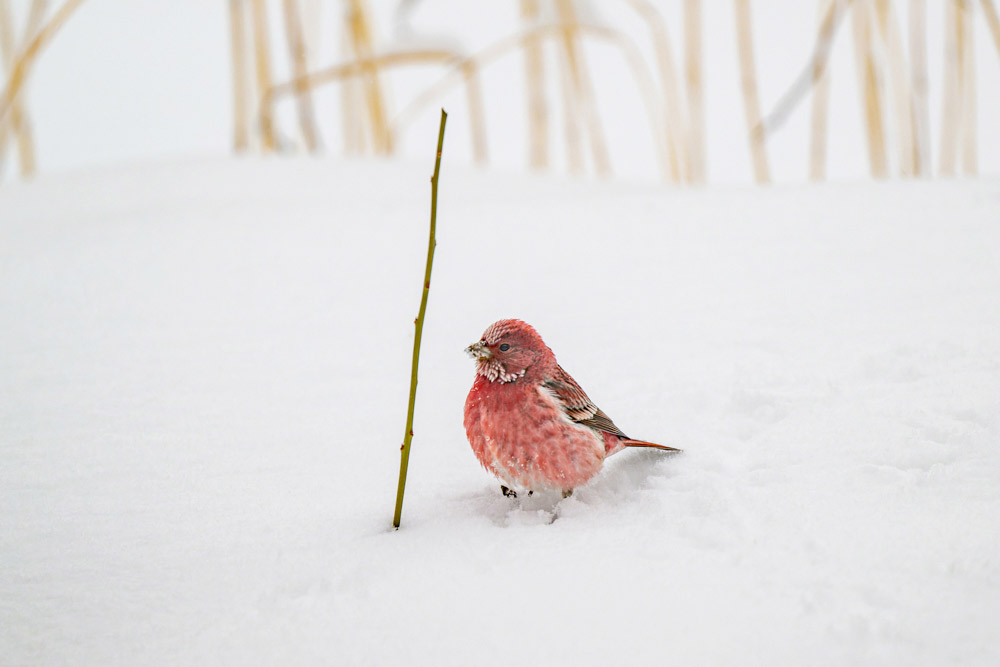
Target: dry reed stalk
x=351 y=73
x=19 y=123
x=36 y=15
x=751 y=104
x=354 y=134
x=813 y=71
x=538 y=115
x=821 y=93
x=892 y=42
x=312 y=21
x=950 y=97
x=675 y=127
x=25 y=139
x=573 y=137
x=27 y=57
x=359 y=67
x=350 y=96
x=6 y=30
x=7 y=45
x=992 y=21
x=918 y=87
x=362 y=42
x=297 y=48
x=695 y=94
x=967 y=78
x=583 y=87
x=241 y=112
x=7 y=49
x=262 y=61
x=633 y=57
x=645 y=85
x=868 y=81
x=474 y=97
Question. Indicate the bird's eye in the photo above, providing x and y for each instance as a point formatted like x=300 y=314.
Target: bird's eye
x=504 y=347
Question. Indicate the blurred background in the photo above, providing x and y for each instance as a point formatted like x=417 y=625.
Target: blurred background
x=675 y=91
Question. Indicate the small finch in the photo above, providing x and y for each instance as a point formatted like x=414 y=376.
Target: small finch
x=528 y=421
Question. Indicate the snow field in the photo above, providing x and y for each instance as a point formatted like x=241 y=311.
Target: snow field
x=203 y=376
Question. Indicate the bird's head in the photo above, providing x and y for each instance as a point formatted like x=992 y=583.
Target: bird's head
x=508 y=350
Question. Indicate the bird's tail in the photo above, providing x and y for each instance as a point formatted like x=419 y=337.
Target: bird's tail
x=628 y=442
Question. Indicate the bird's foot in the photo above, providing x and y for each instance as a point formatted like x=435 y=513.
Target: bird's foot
x=567 y=493
x=510 y=493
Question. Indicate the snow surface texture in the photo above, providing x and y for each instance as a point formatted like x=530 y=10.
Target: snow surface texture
x=204 y=370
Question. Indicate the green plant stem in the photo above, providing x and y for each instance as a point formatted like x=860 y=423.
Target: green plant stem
x=419 y=327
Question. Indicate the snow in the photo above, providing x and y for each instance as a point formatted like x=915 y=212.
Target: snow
x=203 y=374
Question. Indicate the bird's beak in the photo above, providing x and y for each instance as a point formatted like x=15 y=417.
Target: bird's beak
x=478 y=351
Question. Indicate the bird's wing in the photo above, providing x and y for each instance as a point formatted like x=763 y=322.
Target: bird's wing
x=577 y=405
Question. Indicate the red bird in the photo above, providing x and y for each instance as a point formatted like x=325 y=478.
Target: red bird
x=528 y=421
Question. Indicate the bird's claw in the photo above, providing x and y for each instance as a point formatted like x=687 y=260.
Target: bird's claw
x=567 y=493
x=511 y=493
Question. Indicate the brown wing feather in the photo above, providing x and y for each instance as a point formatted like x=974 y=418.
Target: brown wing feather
x=577 y=404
